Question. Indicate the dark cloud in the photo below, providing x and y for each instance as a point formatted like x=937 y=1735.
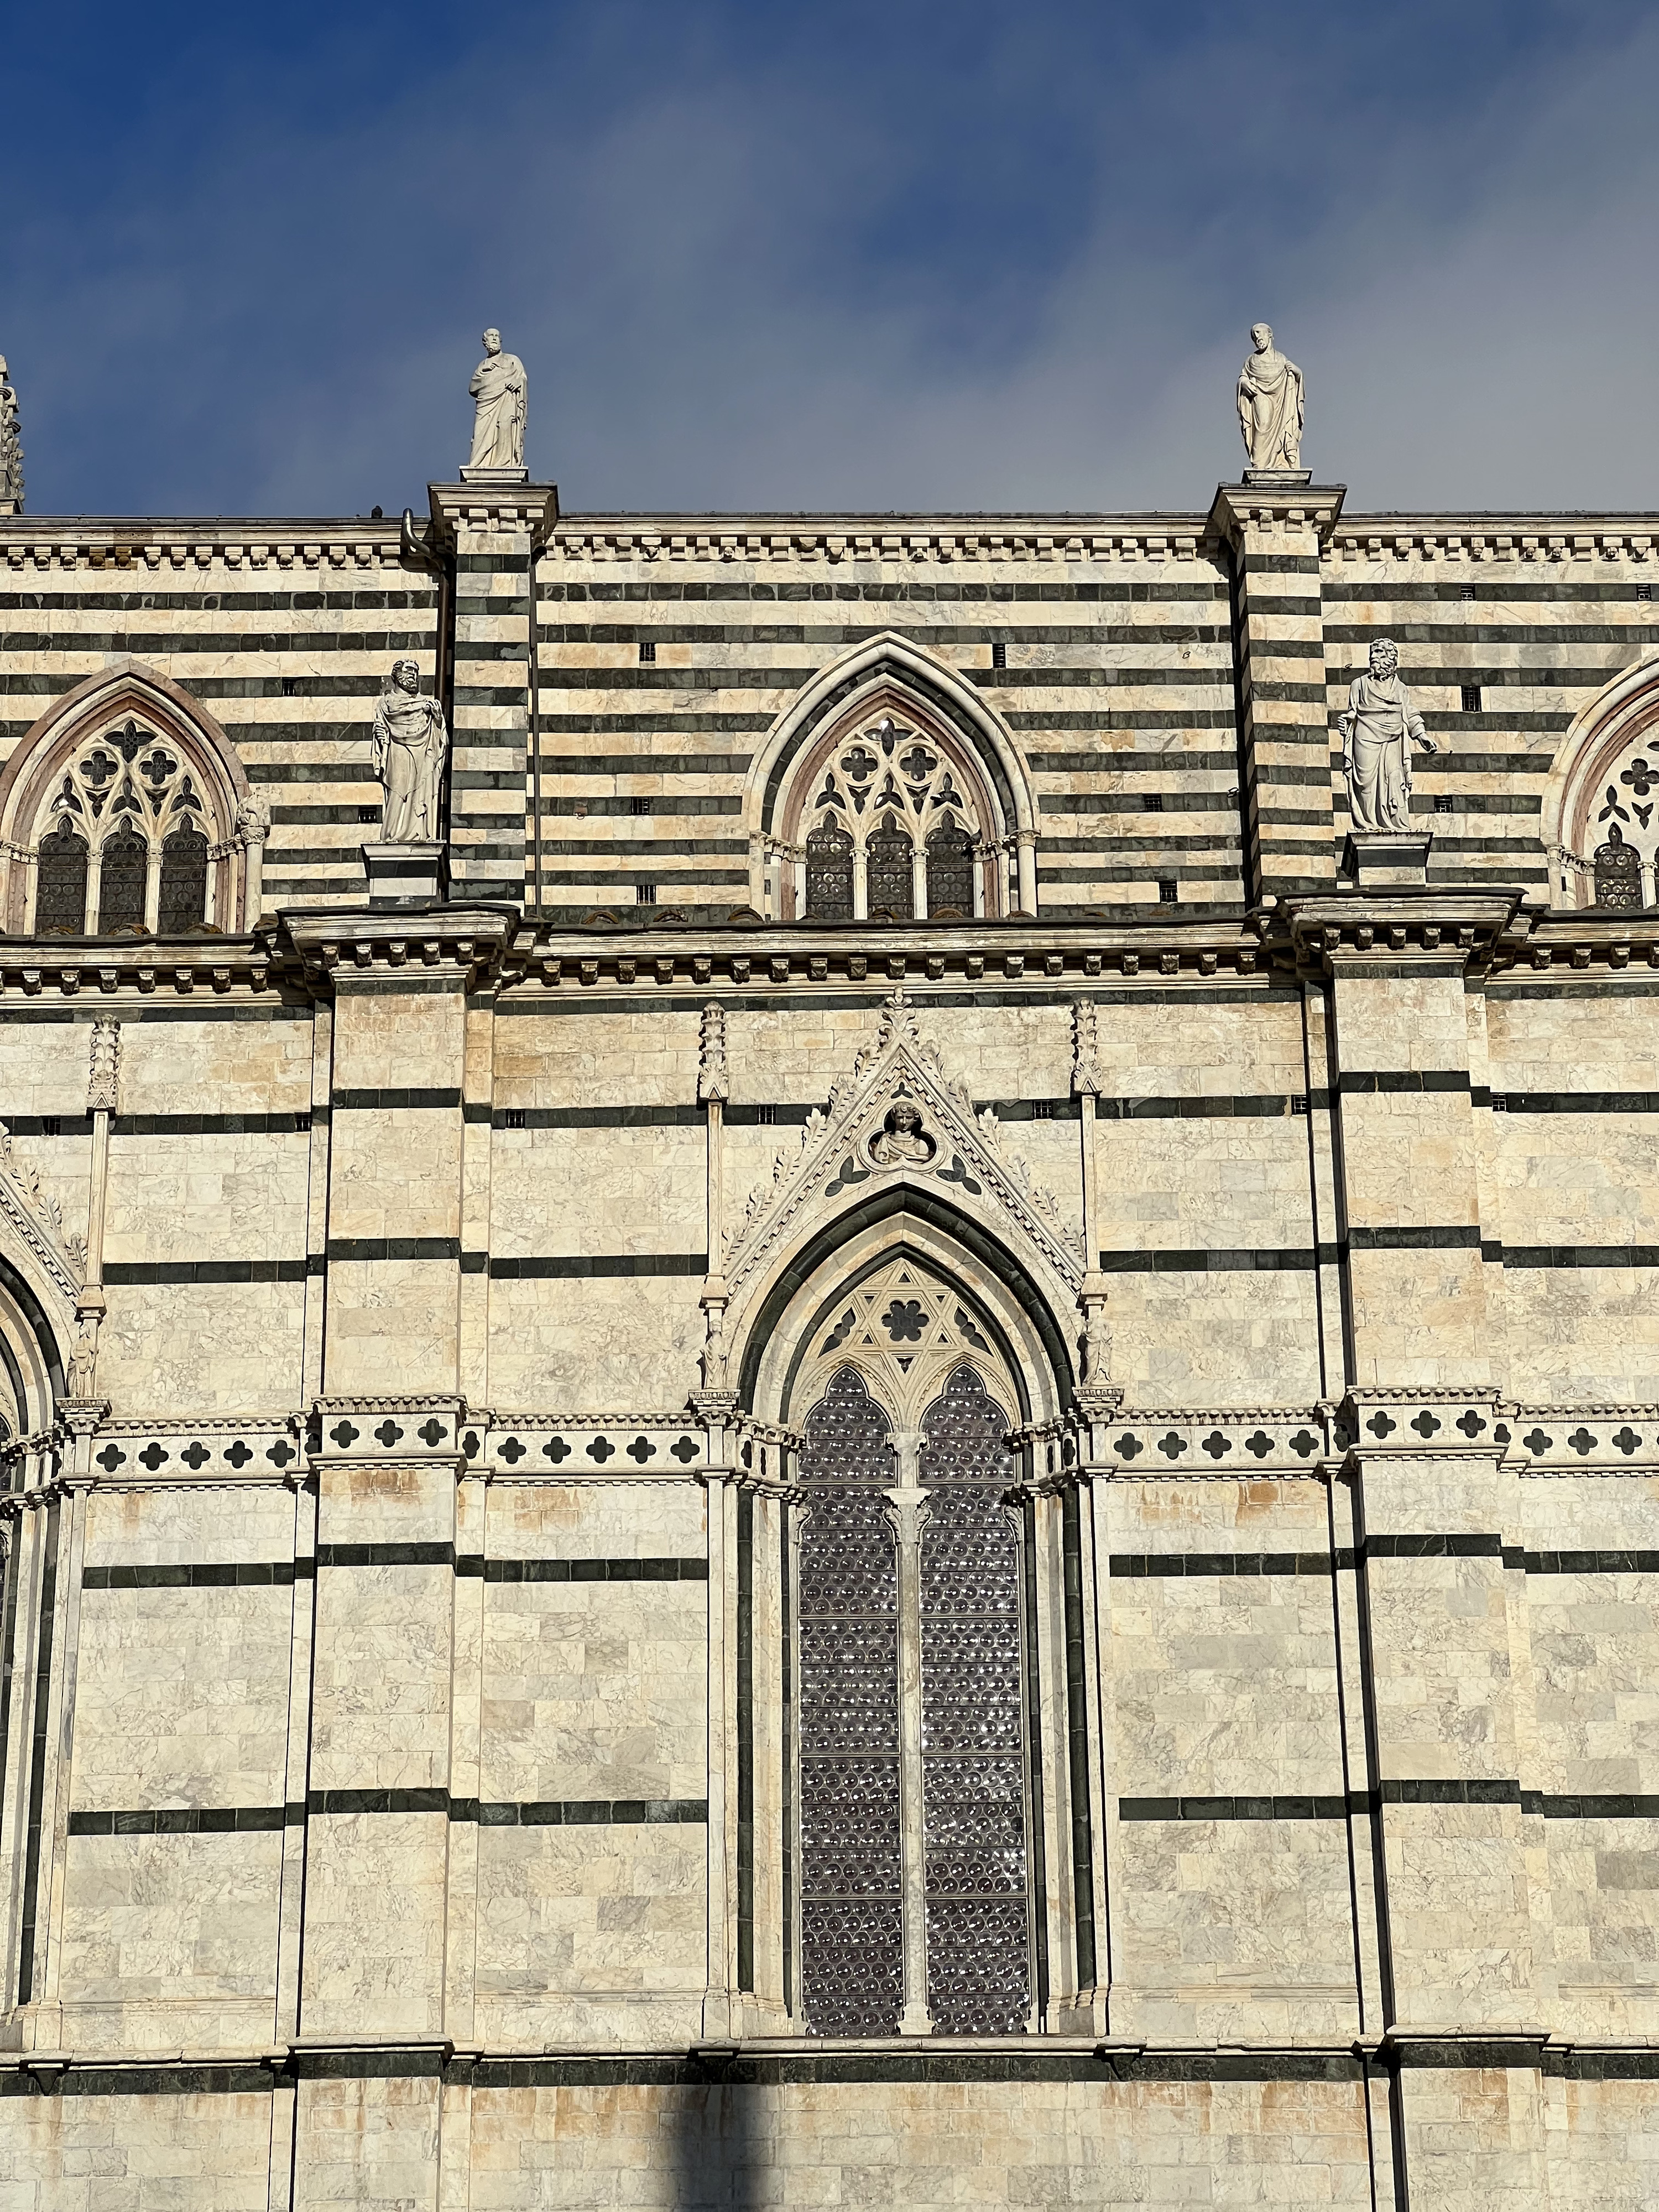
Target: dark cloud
x=918 y=256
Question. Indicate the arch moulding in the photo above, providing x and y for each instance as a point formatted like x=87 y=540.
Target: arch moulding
x=899 y=1161
x=1619 y=722
x=888 y=670
x=234 y=823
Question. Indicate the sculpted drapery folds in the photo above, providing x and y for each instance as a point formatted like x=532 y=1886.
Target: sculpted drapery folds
x=410 y=742
x=499 y=386
x=1379 y=726
x=1270 y=404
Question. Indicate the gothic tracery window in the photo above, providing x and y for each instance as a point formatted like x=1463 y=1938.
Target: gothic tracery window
x=906 y=1461
x=880 y=795
x=123 y=831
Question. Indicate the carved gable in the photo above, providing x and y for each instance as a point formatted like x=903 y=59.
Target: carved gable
x=896 y=1118
x=32 y=1217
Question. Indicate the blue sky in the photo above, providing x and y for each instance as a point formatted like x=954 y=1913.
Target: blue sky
x=925 y=254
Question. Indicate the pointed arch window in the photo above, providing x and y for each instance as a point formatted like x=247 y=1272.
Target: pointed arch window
x=892 y=815
x=149 y=786
x=61 y=899
x=916 y=1910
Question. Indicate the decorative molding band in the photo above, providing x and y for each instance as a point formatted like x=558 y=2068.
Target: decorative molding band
x=1620 y=1805
x=811 y=2062
x=248 y=1820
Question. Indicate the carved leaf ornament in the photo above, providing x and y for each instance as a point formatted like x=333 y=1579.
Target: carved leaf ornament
x=33 y=1215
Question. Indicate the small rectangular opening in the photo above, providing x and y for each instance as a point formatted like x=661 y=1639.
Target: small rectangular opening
x=290 y=687
x=366 y=814
x=1644 y=591
x=1471 y=698
x=1298 y=1102
x=766 y=1117
x=1466 y=592
x=1442 y=802
x=1168 y=891
x=51 y=1126
x=637 y=806
x=998 y=654
x=645 y=893
x=512 y=1117
x=647 y=649
x=1042 y=1109
x=1151 y=802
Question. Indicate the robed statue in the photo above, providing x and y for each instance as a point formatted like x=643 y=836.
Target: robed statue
x=1270 y=403
x=1379 y=727
x=411 y=743
x=498 y=385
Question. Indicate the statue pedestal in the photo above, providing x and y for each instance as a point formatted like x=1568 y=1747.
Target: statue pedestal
x=1388 y=859
x=518 y=476
x=1277 y=479
x=405 y=875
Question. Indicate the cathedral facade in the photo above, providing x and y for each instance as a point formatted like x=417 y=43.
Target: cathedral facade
x=881 y=1428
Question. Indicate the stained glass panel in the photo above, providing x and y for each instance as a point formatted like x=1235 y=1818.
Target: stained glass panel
x=891 y=879
x=979 y=1945
x=829 y=873
x=852 y=1930
x=184 y=880
x=122 y=880
x=61 y=894
x=949 y=870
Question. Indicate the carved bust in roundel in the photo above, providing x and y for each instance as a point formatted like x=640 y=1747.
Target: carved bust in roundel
x=901 y=1141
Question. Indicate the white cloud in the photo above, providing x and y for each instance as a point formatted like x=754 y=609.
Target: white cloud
x=738 y=285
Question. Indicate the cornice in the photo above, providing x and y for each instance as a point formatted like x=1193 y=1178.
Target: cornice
x=1240 y=507
x=506 y=507
x=1331 y=931
x=890 y=539
x=149 y=544
x=802 y=954
x=312 y=953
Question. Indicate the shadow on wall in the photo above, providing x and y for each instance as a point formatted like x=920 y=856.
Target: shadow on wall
x=722 y=2147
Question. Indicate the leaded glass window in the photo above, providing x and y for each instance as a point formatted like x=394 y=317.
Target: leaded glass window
x=123 y=880
x=829 y=873
x=892 y=877
x=949 y=870
x=1617 y=872
x=183 y=880
x=872 y=796
x=851 y=1949
x=60 y=902
x=912 y=1806
x=979 y=1965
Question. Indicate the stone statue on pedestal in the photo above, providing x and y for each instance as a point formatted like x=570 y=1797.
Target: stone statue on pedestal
x=1379 y=727
x=1270 y=404
x=11 y=447
x=499 y=387
x=411 y=745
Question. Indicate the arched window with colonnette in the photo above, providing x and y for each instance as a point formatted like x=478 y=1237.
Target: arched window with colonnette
x=890 y=790
x=898 y=1331
x=1600 y=813
x=125 y=810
